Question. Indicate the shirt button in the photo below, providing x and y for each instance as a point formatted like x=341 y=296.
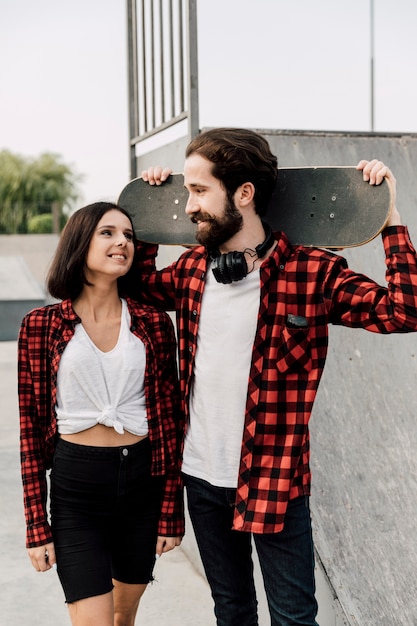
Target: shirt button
x=194 y=312
x=281 y=267
x=190 y=349
x=125 y=451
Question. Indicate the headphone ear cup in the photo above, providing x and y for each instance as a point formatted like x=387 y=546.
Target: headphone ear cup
x=236 y=265
x=230 y=267
x=220 y=270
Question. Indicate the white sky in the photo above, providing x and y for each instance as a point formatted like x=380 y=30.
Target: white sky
x=287 y=64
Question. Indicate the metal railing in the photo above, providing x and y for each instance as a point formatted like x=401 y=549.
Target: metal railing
x=162 y=69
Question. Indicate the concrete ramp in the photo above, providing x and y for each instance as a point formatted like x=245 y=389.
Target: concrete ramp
x=20 y=293
x=25 y=260
x=364 y=425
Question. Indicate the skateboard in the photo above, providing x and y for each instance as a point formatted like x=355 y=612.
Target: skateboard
x=324 y=207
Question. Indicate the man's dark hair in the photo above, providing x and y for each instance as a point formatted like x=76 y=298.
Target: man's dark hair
x=238 y=156
x=67 y=274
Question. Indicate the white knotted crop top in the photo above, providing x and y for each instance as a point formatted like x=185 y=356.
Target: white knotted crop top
x=95 y=387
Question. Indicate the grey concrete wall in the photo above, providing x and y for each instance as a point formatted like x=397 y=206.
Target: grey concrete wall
x=24 y=260
x=364 y=432
x=168 y=155
x=36 y=250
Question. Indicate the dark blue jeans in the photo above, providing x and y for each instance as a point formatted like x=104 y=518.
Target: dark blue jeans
x=286 y=560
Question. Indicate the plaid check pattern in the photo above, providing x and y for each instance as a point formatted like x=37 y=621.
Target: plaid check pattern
x=302 y=291
x=44 y=334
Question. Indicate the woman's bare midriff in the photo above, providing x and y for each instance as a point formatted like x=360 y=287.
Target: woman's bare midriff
x=103 y=436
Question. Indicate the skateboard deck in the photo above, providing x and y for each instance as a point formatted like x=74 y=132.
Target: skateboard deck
x=325 y=207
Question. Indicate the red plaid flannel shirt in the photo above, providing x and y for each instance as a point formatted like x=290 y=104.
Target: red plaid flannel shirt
x=44 y=334
x=302 y=291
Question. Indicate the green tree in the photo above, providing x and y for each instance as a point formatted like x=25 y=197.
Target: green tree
x=35 y=186
x=43 y=223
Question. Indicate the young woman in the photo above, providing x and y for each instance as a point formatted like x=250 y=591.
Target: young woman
x=99 y=404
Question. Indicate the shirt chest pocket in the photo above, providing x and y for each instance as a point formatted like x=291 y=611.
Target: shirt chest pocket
x=294 y=350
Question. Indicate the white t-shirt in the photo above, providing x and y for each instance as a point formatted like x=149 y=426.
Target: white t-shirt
x=95 y=387
x=226 y=333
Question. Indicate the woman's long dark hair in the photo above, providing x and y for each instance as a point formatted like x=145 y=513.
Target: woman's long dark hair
x=67 y=274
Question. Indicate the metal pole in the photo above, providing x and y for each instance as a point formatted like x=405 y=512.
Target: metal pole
x=193 y=113
x=372 y=68
x=171 y=59
x=132 y=51
x=181 y=57
x=161 y=61
x=144 y=73
x=152 y=54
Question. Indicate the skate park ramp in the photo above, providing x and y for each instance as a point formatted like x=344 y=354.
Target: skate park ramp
x=23 y=259
x=19 y=294
x=363 y=429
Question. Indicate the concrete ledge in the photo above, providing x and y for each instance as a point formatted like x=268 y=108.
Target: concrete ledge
x=20 y=293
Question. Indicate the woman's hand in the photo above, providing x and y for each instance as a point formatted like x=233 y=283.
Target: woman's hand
x=43 y=557
x=165 y=544
x=156 y=175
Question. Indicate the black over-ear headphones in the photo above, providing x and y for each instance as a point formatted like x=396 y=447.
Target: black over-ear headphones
x=232 y=266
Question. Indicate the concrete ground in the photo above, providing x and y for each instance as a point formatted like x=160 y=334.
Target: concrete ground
x=179 y=595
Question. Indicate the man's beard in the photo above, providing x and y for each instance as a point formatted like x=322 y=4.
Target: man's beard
x=217 y=230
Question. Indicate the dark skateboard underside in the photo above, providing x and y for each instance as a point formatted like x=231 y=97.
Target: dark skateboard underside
x=330 y=207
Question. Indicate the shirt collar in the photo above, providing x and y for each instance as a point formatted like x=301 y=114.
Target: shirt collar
x=67 y=311
x=282 y=251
